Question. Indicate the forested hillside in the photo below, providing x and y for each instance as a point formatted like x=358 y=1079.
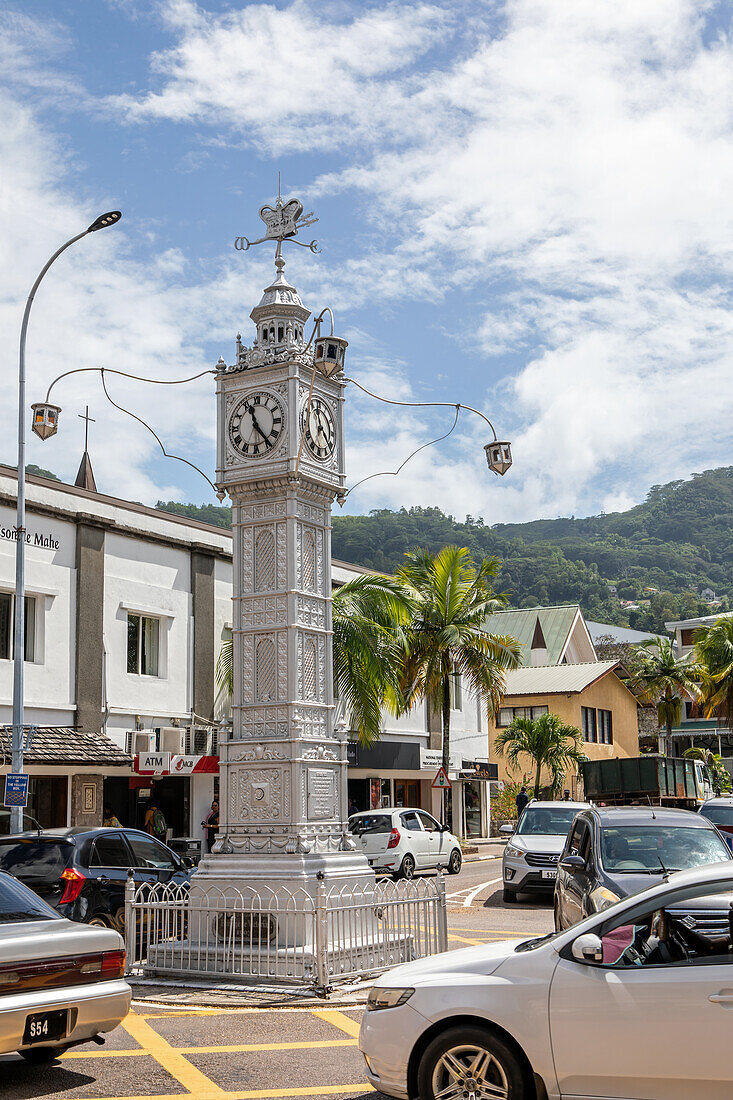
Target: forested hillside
x=679 y=541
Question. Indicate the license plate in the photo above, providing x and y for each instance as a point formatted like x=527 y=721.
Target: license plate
x=549 y=874
x=45 y=1027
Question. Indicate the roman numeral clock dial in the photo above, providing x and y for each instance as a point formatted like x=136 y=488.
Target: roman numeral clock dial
x=320 y=429
x=256 y=425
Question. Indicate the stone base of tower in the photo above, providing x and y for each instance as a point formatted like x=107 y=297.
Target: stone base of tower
x=293 y=872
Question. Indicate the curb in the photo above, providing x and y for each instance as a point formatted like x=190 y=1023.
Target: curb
x=180 y=994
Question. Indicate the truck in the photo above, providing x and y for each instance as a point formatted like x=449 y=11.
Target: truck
x=650 y=780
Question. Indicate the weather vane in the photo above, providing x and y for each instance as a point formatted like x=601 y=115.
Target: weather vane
x=283 y=222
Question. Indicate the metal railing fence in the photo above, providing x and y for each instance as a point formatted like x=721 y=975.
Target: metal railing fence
x=281 y=936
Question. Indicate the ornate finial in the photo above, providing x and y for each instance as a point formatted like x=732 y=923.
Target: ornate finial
x=282 y=222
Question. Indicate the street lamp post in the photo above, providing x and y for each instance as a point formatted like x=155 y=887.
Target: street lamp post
x=16 y=812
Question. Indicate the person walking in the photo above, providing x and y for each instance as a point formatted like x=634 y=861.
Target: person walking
x=155 y=822
x=111 y=821
x=211 y=824
x=522 y=801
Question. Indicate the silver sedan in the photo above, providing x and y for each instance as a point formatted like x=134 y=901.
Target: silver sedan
x=61 y=983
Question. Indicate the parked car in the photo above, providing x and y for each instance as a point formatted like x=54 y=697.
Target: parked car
x=82 y=872
x=403 y=841
x=529 y=862
x=629 y=1004
x=720 y=812
x=613 y=852
x=60 y=983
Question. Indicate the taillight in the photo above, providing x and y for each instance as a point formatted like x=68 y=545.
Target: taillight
x=74 y=882
x=394 y=838
x=55 y=973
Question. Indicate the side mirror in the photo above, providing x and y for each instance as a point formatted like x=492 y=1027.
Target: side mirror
x=188 y=862
x=588 y=948
x=573 y=863
x=506 y=830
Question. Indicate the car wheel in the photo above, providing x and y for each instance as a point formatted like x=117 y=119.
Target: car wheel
x=42 y=1054
x=407 y=868
x=468 y=1061
x=455 y=862
x=508 y=894
x=99 y=922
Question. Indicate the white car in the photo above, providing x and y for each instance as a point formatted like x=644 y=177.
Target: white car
x=61 y=983
x=402 y=841
x=633 y=1003
x=529 y=861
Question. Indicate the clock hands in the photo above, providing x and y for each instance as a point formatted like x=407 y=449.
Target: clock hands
x=251 y=410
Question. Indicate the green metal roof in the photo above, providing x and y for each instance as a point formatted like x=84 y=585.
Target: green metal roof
x=555 y=623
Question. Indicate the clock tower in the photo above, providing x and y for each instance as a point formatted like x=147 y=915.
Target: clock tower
x=283 y=797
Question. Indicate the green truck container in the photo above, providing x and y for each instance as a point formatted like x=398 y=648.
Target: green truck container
x=645 y=780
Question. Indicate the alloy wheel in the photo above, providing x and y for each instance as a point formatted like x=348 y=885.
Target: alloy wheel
x=455 y=862
x=469 y=1072
x=408 y=867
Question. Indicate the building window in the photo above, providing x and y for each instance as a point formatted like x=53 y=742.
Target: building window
x=507 y=715
x=143 y=645
x=688 y=636
x=7 y=627
x=588 y=724
x=605 y=727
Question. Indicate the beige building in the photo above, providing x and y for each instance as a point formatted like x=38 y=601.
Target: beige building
x=589 y=696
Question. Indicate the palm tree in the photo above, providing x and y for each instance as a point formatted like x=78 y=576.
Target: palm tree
x=369 y=614
x=666 y=680
x=714 y=654
x=547 y=741
x=453 y=597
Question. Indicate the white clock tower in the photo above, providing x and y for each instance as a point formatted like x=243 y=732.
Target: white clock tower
x=281 y=460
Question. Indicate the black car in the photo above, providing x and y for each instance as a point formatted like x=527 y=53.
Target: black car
x=613 y=852
x=82 y=873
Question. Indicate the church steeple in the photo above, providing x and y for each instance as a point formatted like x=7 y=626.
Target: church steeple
x=85 y=476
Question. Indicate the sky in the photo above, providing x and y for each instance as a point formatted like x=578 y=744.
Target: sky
x=523 y=206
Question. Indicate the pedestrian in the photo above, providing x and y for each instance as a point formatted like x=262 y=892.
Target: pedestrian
x=155 y=822
x=522 y=801
x=211 y=824
x=566 y=795
x=352 y=807
x=110 y=821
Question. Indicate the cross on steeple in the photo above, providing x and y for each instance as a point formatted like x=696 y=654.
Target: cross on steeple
x=89 y=419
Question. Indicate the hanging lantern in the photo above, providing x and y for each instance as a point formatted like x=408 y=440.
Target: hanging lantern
x=45 y=420
x=499 y=456
x=330 y=352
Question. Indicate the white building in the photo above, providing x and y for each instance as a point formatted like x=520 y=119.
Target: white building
x=127 y=609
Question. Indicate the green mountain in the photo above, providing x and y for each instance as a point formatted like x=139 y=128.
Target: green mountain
x=679 y=542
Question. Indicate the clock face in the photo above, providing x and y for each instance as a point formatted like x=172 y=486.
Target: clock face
x=256 y=424
x=320 y=429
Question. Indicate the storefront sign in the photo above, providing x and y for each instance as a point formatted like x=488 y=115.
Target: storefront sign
x=32 y=538
x=432 y=759
x=16 y=790
x=153 y=763
x=479 y=769
x=183 y=765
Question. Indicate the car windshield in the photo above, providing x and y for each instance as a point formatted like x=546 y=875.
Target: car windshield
x=647 y=849
x=719 y=815
x=546 y=821
x=18 y=903
x=370 y=823
x=34 y=859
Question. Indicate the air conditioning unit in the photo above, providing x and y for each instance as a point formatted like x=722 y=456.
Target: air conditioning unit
x=138 y=742
x=171 y=739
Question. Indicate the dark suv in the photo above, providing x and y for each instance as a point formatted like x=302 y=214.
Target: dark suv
x=82 y=872
x=612 y=852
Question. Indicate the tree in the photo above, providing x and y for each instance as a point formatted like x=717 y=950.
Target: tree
x=547 y=741
x=453 y=598
x=666 y=680
x=714 y=654
x=369 y=615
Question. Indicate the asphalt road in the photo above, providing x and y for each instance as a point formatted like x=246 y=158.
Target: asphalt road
x=163 y=1052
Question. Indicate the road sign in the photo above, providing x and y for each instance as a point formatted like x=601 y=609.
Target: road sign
x=441 y=781
x=16 y=790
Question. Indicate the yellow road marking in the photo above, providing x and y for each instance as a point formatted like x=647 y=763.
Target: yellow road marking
x=237 y=1048
x=253 y=1094
x=474 y=943
x=192 y=1079
x=338 y=1019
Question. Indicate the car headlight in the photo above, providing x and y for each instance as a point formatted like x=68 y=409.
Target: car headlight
x=510 y=850
x=602 y=898
x=387 y=998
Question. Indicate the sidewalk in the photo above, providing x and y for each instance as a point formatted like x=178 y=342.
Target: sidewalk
x=483 y=849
